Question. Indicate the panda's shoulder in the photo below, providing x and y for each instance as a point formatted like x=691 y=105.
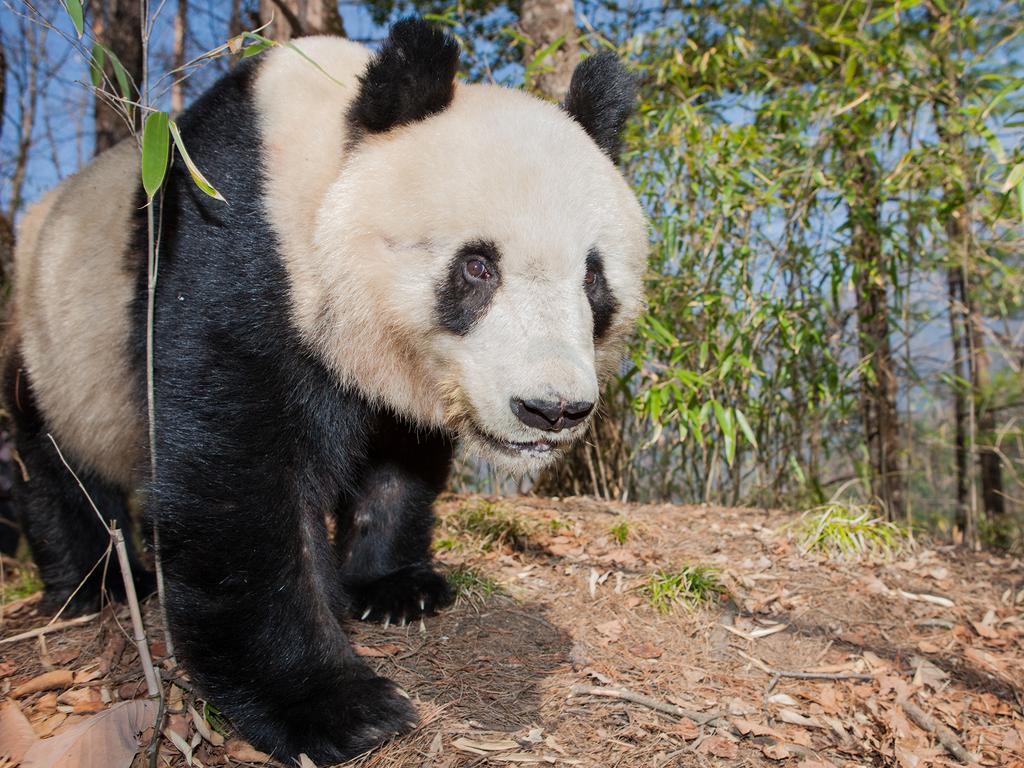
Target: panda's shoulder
x=309 y=68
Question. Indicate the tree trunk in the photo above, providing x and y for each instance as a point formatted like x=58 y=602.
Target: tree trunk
x=117 y=24
x=6 y=222
x=295 y=18
x=544 y=22
x=29 y=101
x=180 y=32
x=878 y=382
x=958 y=337
x=960 y=232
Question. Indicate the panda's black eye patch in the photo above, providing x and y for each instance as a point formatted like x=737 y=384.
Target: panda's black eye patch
x=464 y=294
x=603 y=303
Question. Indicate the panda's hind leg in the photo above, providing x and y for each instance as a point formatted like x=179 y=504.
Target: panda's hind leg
x=385 y=532
x=67 y=540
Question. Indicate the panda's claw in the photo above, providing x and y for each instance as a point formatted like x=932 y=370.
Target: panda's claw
x=408 y=593
x=387 y=621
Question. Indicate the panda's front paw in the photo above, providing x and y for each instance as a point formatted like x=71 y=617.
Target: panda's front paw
x=401 y=596
x=332 y=726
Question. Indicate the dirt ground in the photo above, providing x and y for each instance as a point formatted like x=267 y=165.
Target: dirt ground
x=555 y=655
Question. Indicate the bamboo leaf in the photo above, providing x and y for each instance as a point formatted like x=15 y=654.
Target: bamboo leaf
x=74 y=9
x=745 y=427
x=1015 y=178
x=120 y=73
x=96 y=61
x=155 y=147
x=200 y=181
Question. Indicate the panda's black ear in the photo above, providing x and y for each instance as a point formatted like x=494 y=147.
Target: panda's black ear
x=412 y=76
x=601 y=98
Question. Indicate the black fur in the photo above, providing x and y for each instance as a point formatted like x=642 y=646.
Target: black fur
x=68 y=542
x=459 y=302
x=410 y=78
x=387 y=570
x=603 y=304
x=256 y=441
x=601 y=97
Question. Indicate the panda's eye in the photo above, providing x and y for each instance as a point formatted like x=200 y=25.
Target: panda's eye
x=590 y=279
x=476 y=270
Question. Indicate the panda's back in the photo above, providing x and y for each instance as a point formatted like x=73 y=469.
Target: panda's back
x=73 y=291
x=80 y=271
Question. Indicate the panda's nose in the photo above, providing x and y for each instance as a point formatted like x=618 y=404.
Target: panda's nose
x=550 y=415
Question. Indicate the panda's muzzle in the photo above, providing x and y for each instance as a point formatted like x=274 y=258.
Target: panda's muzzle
x=550 y=415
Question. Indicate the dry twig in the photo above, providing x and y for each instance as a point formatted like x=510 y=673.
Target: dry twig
x=945 y=736
x=700 y=718
x=40 y=631
x=780 y=673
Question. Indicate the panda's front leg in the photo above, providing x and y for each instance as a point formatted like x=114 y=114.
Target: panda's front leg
x=385 y=531
x=249 y=574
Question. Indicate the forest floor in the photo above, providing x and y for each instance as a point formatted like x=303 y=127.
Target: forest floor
x=555 y=655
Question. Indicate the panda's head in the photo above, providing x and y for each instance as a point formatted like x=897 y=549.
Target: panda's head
x=486 y=254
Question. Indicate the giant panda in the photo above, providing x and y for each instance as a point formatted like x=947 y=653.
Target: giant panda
x=403 y=262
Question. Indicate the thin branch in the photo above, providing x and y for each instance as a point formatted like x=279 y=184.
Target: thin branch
x=47 y=628
x=945 y=736
x=700 y=718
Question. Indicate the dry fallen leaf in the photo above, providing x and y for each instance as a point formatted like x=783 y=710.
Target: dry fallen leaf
x=483 y=747
x=985 y=630
x=245 y=752
x=610 y=629
x=776 y=751
x=686 y=729
x=646 y=651
x=748 y=727
x=58 y=679
x=305 y=762
x=719 y=746
x=16 y=735
x=109 y=739
x=795 y=718
x=378 y=651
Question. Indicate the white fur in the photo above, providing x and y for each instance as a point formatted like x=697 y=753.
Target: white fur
x=497 y=164
x=72 y=296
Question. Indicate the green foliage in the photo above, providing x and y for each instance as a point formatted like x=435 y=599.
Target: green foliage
x=746 y=378
x=25 y=582
x=155 y=148
x=471 y=586
x=486 y=525
x=620 y=532
x=847 y=530
x=74 y=9
x=212 y=715
x=557 y=525
x=689 y=587
x=197 y=177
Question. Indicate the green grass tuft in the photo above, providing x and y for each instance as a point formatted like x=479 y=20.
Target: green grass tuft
x=23 y=583
x=556 y=525
x=446 y=544
x=620 y=532
x=488 y=525
x=846 y=530
x=689 y=587
x=469 y=585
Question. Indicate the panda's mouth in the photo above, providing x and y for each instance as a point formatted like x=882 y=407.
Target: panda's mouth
x=515 y=448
